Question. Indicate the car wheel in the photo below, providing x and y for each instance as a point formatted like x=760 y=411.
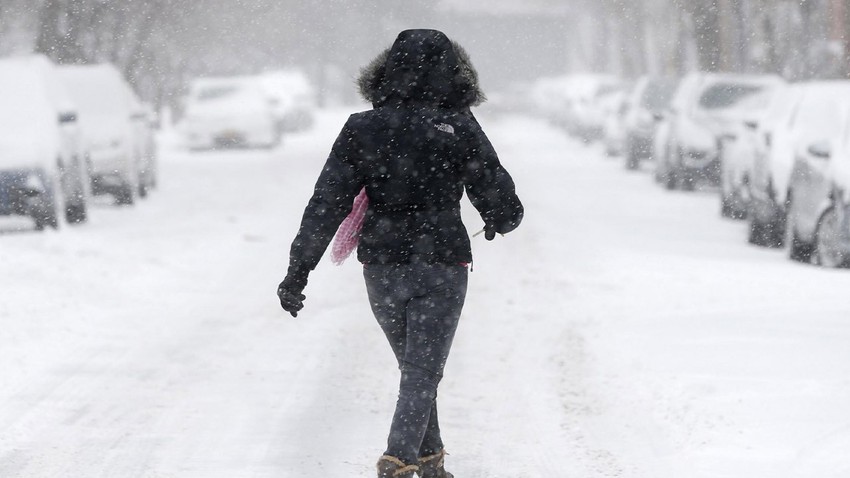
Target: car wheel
x=670 y=178
x=632 y=159
x=726 y=209
x=757 y=233
x=686 y=180
x=658 y=173
x=76 y=213
x=827 y=251
x=44 y=215
x=798 y=250
x=125 y=196
x=143 y=189
x=729 y=209
x=775 y=230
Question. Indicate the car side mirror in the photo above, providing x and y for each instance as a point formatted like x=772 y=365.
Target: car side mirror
x=658 y=116
x=820 y=150
x=751 y=124
x=67 y=117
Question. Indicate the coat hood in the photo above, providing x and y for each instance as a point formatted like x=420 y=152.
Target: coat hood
x=422 y=66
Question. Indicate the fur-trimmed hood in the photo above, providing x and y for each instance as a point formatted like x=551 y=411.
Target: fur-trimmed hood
x=423 y=66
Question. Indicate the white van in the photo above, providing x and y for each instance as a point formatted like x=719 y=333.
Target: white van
x=112 y=120
x=41 y=161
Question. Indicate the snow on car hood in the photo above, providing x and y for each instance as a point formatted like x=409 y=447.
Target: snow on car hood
x=27 y=151
x=102 y=130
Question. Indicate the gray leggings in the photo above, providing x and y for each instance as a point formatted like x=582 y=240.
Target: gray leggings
x=418 y=307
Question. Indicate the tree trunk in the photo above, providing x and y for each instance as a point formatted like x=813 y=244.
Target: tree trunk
x=844 y=11
x=706 y=18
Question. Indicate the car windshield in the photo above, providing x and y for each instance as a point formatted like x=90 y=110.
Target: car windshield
x=724 y=95
x=24 y=106
x=819 y=116
x=658 y=94
x=606 y=89
x=216 y=92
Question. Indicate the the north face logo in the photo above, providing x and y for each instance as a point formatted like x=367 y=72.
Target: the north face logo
x=445 y=128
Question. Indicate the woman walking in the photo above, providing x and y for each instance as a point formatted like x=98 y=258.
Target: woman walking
x=414 y=153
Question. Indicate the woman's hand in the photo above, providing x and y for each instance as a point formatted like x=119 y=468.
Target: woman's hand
x=289 y=291
x=291 y=301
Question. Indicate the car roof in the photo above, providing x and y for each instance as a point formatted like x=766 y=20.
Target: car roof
x=39 y=72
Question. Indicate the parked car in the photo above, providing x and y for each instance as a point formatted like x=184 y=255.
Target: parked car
x=549 y=99
x=293 y=99
x=615 y=108
x=649 y=98
x=700 y=113
x=586 y=106
x=739 y=147
x=817 y=200
x=230 y=112
x=112 y=123
x=772 y=166
x=41 y=163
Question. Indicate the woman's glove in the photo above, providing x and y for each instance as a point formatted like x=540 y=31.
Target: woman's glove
x=489 y=232
x=289 y=291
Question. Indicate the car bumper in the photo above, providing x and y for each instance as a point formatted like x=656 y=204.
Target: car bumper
x=109 y=163
x=244 y=134
x=706 y=166
x=14 y=184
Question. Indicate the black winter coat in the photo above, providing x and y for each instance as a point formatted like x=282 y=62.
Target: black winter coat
x=415 y=153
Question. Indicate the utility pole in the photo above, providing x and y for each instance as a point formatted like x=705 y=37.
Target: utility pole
x=842 y=13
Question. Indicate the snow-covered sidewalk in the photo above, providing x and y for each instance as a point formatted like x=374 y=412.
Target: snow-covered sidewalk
x=623 y=330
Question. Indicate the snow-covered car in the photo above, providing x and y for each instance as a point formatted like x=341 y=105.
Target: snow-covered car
x=569 y=101
x=293 y=98
x=549 y=97
x=586 y=108
x=739 y=148
x=41 y=162
x=110 y=120
x=650 y=96
x=774 y=160
x=615 y=107
x=230 y=112
x=699 y=114
x=818 y=203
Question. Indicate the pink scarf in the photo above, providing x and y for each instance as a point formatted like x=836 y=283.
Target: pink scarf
x=348 y=235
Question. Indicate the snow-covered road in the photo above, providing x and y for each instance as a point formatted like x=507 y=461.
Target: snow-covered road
x=623 y=331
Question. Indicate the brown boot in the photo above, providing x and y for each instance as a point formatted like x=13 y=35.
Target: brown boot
x=392 y=467
x=432 y=466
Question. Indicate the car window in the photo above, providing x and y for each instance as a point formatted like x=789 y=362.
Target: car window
x=724 y=95
x=216 y=92
x=606 y=89
x=658 y=94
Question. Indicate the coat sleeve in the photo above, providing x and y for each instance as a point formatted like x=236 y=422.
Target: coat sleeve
x=331 y=202
x=489 y=186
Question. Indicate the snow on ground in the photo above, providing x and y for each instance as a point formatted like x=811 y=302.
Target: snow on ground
x=623 y=331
